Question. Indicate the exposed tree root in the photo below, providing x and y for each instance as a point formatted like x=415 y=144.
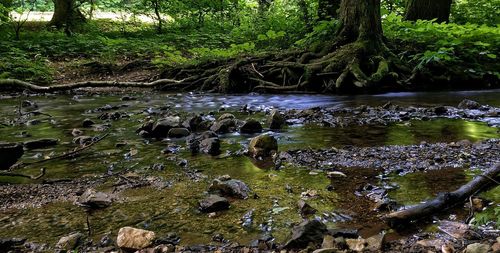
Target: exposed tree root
x=353 y=67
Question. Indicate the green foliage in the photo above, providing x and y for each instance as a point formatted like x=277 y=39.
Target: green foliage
x=490 y=215
x=323 y=31
x=477 y=12
x=23 y=66
x=471 y=45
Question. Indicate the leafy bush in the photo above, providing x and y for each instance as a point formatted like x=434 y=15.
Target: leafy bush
x=477 y=12
x=470 y=45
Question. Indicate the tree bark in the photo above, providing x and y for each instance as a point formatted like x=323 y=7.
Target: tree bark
x=328 y=9
x=428 y=10
x=66 y=15
x=264 y=6
x=360 y=20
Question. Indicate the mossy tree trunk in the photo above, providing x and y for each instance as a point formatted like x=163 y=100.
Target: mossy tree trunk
x=428 y=10
x=328 y=9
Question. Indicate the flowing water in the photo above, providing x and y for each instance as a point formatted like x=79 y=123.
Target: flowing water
x=172 y=207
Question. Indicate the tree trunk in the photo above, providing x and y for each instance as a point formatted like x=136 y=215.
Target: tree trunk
x=264 y=6
x=66 y=15
x=327 y=9
x=360 y=20
x=156 y=7
x=428 y=10
x=305 y=14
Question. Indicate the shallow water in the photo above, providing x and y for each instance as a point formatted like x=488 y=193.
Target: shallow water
x=174 y=208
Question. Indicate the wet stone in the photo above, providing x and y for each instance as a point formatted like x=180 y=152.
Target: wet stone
x=309 y=231
x=263 y=146
x=276 y=120
x=251 y=126
x=477 y=248
x=94 y=200
x=178 y=132
x=87 y=123
x=230 y=187
x=210 y=146
x=134 y=239
x=213 y=203
x=162 y=127
x=305 y=209
x=226 y=116
x=224 y=126
x=469 y=104
x=69 y=242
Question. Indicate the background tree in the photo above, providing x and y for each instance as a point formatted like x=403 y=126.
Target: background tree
x=428 y=10
x=66 y=15
x=327 y=9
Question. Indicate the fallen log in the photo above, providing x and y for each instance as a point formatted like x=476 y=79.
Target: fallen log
x=488 y=179
x=18 y=85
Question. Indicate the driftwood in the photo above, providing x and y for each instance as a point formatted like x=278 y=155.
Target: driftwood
x=489 y=178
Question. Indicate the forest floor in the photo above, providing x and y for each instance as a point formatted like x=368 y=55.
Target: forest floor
x=442 y=56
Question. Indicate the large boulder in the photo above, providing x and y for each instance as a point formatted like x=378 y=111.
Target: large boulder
x=193 y=123
x=251 y=126
x=226 y=116
x=263 y=146
x=230 y=187
x=134 y=239
x=213 y=203
x=161 y=127
x=9 y=154
x=309 y=231
x=276 y=120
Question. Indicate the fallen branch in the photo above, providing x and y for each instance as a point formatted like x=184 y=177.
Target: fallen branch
x=444 y=201
x=18 y=85
x=63 y=156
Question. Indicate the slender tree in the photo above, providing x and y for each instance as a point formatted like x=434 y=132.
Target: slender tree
x=428 y=10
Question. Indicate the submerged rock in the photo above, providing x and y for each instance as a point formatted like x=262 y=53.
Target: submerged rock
x=251 y=126
x=309 y=231
x=41 y=143
x=263 y=146
x=69 y=242
x=94 y=200
x=213 y=203
x=469 y=104
x=230 y=187
x=130 y=238
x=9 y=154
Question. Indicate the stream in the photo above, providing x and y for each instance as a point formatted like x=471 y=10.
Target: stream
x=170 y=180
